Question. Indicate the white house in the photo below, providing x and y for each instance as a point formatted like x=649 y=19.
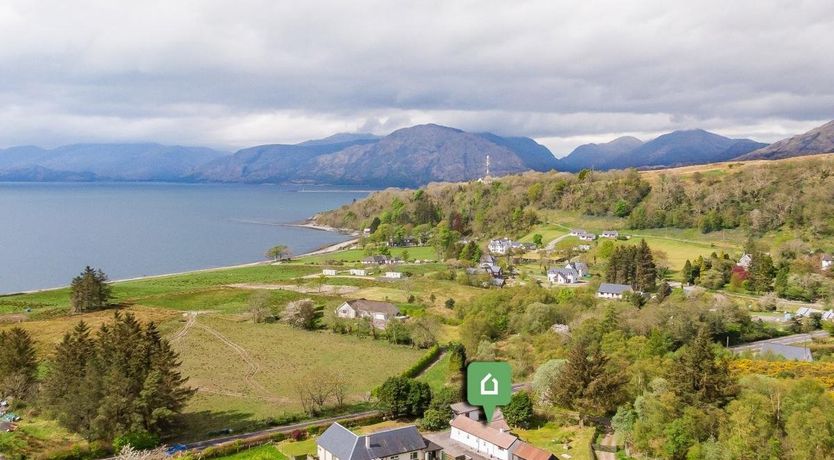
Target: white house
x=613 y=291
x=745 y=261
x=486 y=441
x=612 y=234
x=580 y=267
x=826 y=261
x=577 y=232
x=403 y=443
x=501 y=246
x=379 y=312
x=587 y=236
x=329 y=272
x=562 y=275
x=358 y=272
x=393 y=275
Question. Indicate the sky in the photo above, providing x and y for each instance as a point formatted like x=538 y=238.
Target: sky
x=230 y=74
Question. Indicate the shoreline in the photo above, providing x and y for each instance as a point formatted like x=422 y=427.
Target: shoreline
x=323 y=250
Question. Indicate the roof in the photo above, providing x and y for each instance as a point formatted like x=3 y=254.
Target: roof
x=374 y=306
x=566 y=272
x=339 y=441
x=827 y=258
x=395 y=441
x=610 y=288
x=463 y=408
x=346 y=445
x=787 y=351
x=481 y=431
x=531 y=452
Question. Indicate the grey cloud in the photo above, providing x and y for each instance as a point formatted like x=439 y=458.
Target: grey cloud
x=225 y=73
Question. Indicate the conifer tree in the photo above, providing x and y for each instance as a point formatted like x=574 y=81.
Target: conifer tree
x=587 y=383
x=698 y=375
x=18 y=364
x=89 y=291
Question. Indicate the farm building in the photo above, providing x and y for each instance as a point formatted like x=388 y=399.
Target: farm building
x=406 y=443
x=358 y=272
x=329 y=272
x=613 y=291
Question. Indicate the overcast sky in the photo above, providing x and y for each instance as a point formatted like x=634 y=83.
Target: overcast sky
x=240 y=73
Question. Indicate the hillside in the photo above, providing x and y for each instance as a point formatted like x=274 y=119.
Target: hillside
x=756 y=196
x=817 y=140
x=128 y=162
x=407 y=157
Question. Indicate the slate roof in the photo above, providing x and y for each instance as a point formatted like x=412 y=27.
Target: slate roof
x=374 y=306
x=531 y=452
x=787 y=351
x=479 y=430
x=565 y=272
x=346 y=445
x=610 y=288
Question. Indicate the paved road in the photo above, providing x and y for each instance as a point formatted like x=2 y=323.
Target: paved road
x=787 y=340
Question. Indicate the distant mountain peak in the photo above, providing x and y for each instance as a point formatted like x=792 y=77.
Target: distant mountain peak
x=340 y=138
x=817 y=140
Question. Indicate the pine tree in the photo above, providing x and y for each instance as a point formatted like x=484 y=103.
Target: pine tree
x=761 y=273
x=699 y=376
x=645 y=269
x=89 y=291
x=587 y=384
x=18 y=364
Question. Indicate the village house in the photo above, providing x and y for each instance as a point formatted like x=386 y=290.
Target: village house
x=611 y=234
x=329 y=272
x=377 y=260
x=358 y=272
x=562 y=275
x=494 y=443
x=587 y=236
x=745 y=261
x=403 y=443
x=501 y=246
x=380 y=313
x=580 y=267
x=577 y=232
x=803 y=312
x=613 y=291
x=826 y=261
x=393 y=275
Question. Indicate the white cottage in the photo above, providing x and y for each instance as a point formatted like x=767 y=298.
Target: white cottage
x=489 y=442
x=379 y=312
x=613 y=291
x=358 y=272
x=329 y=272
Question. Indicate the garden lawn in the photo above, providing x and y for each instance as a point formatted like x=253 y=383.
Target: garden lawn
x=292 y=449
x=438 y=374
x=553 y=437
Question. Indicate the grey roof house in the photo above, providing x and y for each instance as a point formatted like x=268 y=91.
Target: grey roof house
x=789 y=352
x=379 y=312
x=613 y=291
x=404 y=443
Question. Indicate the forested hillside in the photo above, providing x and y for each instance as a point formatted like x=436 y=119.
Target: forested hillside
x=755 y=196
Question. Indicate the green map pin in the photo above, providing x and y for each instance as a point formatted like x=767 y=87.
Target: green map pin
x=489 y=384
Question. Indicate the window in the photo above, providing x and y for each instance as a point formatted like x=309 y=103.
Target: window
x=414 y=455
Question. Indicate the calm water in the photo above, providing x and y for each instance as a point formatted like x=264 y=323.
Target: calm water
x=49 y=232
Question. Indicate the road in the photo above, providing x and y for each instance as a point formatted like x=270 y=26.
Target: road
x=787 y=340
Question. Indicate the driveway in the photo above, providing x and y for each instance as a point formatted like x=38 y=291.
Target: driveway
x=787 y=340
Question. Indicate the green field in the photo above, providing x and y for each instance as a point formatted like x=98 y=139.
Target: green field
x=356 y=255
x=437 y=376
x=553 y=437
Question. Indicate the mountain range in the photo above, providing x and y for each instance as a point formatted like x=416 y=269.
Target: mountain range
x=407 y=157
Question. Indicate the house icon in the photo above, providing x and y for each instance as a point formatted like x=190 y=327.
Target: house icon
x=493 y=391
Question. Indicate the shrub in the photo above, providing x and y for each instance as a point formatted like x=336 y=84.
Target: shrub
x=139 y=440
x=425 y=361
